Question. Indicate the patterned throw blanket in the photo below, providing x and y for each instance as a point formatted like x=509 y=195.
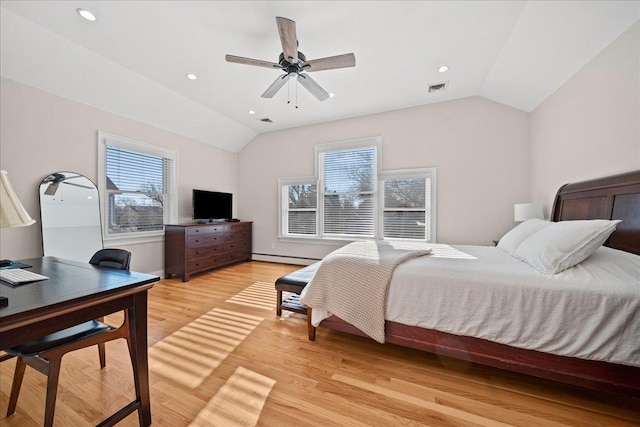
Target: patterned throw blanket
x=352 y=283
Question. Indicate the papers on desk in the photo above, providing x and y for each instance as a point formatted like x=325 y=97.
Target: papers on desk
x=17 y=276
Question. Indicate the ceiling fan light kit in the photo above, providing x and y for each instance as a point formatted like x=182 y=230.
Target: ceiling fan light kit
x=294 y=63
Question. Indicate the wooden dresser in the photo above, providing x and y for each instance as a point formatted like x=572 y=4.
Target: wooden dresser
x=192 y=248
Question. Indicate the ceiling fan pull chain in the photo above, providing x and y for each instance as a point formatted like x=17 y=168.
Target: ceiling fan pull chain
x=296 y=96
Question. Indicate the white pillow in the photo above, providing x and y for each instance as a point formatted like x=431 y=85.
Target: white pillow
x=521 y=232
x=564 y=244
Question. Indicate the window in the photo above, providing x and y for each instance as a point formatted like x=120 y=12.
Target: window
x=137 y=184
x=299 y=206
x=407 y=204
x=348 y=184
x=350 y=198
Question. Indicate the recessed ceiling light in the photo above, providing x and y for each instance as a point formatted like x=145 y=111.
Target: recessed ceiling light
x=443 y=68
x=86 y=14
x=191 y=76
x=331 y=95
x=251 y=112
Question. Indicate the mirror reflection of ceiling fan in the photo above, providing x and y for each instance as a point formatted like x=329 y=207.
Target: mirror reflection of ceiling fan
x=56 y=179
x=294 y=63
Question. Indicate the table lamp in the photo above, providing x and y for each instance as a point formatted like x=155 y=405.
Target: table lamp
x=525 y=211
x=12 y=213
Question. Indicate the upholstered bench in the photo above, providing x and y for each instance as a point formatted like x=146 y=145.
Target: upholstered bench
x=295 y=282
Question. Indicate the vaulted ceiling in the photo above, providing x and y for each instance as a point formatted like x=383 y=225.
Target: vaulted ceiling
x=134 y=58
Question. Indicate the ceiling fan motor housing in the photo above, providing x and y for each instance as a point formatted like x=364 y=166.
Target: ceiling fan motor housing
x=288 y=67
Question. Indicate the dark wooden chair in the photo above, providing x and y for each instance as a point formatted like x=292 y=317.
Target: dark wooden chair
x=45 y=354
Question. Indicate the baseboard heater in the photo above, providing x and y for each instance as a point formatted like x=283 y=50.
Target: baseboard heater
x=283 y=259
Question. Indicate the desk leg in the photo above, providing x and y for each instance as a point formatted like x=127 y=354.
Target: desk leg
x=139 y=355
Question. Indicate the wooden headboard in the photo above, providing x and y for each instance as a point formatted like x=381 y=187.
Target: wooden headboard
x=613 y=197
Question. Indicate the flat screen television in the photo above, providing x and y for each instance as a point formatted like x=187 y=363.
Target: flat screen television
x=212 y=206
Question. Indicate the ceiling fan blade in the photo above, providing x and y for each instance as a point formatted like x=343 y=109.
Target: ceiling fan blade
x=275 y=86
x=288 y=38
x=313 y=87
x=51 y=189
x=330 y=63
x=249 y=61
x=78 y=185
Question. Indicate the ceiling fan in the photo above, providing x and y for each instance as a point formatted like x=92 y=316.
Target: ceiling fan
x=56 y=179
x=294 y=63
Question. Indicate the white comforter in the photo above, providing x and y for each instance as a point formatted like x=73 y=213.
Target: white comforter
x=590 y=311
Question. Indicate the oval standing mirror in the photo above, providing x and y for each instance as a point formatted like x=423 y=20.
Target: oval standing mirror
x=70 y=216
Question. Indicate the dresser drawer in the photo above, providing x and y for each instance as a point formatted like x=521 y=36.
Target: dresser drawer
x=202 y=251
x=204 y=240
x=205 y=230
x=230 y=236
x=205 y=263
x=237 y=226
x=237 y=256
x=238 y=245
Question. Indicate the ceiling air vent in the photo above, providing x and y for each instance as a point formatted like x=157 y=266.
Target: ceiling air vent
x=266 y=120
x=438 y=87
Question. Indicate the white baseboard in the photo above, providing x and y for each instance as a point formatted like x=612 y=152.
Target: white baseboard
x=283 y=259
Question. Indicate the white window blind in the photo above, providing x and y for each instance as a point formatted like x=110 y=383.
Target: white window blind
x=349 y=184
x=408 y=203
x=405 y=214
x=300 y=208
x=139 y=187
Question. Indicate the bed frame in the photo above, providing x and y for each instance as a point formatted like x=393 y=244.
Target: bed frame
x=614 y=197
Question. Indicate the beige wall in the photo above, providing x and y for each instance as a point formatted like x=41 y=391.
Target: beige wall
x=481 y=150
x=42 y=133
x=590 y=127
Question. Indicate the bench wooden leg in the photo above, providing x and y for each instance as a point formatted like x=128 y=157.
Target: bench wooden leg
x=310 y=328
x=279 y=303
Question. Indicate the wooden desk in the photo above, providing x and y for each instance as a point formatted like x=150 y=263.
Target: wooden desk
x=77 y=292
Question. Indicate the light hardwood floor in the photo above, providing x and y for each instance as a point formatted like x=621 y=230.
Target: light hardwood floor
x=219 y=356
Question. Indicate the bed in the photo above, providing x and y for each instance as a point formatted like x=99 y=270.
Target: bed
x=614 y=197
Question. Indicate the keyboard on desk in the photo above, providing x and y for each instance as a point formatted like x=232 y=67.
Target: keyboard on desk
x=18 y=276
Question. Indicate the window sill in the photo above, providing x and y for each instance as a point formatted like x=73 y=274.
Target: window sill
x=340 y=242
x=334 y=241
x=113 y=241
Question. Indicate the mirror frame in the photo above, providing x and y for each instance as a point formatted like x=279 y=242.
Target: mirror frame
x=54 y=183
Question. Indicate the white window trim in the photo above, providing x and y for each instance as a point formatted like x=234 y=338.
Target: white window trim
x=343 y=146
x=104 y=139
x=431 y=173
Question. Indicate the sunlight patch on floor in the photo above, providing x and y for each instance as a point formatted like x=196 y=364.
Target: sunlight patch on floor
x=189 y=355
x=259 y=295
x=239 y=401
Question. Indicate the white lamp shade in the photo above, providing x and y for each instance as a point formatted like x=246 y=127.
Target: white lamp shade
x=12 y=213
x=525 y=211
